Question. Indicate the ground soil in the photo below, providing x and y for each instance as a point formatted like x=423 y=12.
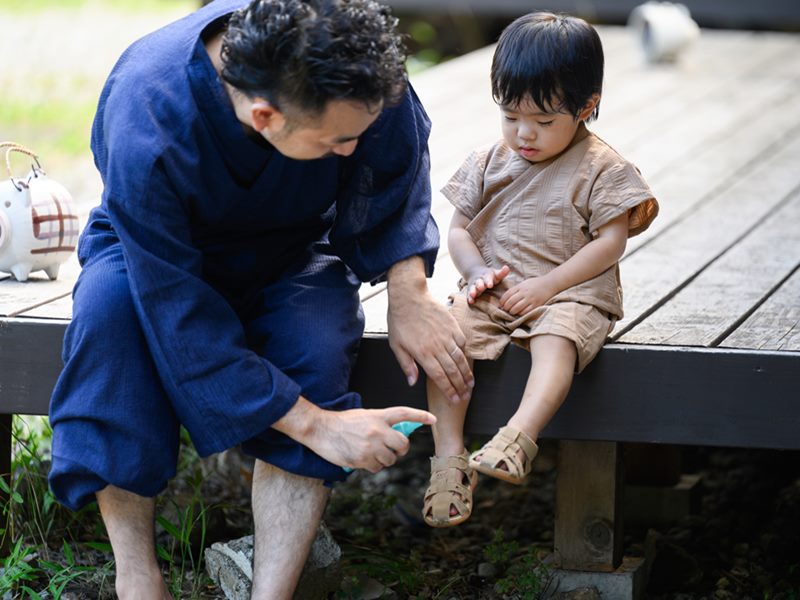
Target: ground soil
x=741 y=541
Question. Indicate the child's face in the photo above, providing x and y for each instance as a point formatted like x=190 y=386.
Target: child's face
x=538 y=134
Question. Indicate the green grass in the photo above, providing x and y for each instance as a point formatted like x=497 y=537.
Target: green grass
x=49 y=128
x=53 y=550
x=32 y=6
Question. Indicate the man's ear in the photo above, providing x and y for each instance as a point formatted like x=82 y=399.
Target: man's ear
x=588 y=109
x=265 y=116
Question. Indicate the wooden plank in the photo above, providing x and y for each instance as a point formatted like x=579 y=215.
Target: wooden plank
x=717 y=59
x=709 y=308
x=17 y=297
x=30 y=362
x=58 y=308
x=776 y=323
x=628 y=394
x=659 y=270
x=718 y=165
x=703 y=97
x=588 y=519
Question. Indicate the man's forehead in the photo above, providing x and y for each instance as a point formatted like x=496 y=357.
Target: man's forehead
x=347 y=120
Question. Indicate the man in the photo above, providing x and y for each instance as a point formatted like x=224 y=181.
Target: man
x=256 y=164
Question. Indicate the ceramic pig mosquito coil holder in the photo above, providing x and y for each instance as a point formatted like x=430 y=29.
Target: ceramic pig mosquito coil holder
x=38 y=220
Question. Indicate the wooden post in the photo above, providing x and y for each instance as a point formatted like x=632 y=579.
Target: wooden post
x=5 y=473
x=588 y=523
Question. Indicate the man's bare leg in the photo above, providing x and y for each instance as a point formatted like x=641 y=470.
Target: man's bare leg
x=287 y=510
x=129 y=520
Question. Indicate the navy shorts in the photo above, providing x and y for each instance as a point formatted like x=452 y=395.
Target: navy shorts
x=114 y=424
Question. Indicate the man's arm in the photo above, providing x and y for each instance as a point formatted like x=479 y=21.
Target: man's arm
x=422 y=331
x=356 y=438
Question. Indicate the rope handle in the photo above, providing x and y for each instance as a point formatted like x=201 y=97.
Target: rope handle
x=15 y=147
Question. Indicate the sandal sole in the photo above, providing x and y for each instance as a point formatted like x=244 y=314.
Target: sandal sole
x=496 y=473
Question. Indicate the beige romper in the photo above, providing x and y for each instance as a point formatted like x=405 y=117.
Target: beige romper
x=533 y=217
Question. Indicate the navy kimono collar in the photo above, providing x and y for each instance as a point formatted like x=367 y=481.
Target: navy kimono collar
x=245 y=157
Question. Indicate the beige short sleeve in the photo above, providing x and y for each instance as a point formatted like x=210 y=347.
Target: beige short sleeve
x=621 y=188
x=465 y=188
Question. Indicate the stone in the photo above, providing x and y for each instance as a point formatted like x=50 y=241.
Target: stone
x=627 y=582
x=367 y=588
x=487 y=570
x=230 y=566
x=584 y=593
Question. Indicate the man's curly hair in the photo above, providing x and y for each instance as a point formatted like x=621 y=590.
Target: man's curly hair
x=305 y=53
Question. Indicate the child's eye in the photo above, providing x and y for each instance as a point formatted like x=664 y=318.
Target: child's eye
x=545 y=123
x=509 y=119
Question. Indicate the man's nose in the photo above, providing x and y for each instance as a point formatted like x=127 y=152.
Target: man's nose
x=345 y=149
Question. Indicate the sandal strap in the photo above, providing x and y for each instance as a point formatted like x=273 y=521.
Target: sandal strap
x=526 y=444
x=457 y=461
x=447 y=487
x=503 y=448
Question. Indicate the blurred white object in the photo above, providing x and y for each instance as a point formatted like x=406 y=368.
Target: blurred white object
x=38 y=220
x=664 y=29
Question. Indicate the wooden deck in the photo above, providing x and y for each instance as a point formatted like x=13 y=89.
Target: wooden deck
x=711 y=289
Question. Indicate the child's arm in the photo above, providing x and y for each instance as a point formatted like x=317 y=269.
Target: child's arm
x=468 y=260
x=591 y=260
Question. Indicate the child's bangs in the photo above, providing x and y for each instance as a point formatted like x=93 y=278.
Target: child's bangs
x=543 y=90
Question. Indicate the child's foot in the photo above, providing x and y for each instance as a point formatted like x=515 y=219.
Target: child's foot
x=448 y=499
x=508 y=456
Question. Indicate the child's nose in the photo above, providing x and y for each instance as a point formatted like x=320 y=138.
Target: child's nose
x=526 y=132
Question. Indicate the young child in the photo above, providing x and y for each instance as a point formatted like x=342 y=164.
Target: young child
x=541 y=221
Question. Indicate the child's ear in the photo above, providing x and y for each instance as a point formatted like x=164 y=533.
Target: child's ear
x=589 y=107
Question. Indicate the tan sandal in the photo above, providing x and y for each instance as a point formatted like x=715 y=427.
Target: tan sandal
x=452 y=482
x=504 y=450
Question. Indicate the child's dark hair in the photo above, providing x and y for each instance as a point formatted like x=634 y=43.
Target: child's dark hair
x=306 y=53
x=555 y=60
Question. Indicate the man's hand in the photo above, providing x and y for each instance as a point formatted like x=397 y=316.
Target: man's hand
x=356 y=438
x=422 y=331
x=484 y=280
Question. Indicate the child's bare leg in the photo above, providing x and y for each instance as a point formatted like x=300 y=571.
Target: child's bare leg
x=552 y=367
x=448 y=431
x=448 y=438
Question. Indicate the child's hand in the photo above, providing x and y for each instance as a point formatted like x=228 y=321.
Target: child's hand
x=526 y=296
x=483 y=280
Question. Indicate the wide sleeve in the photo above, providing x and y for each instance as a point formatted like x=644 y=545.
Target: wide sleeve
x=222 y=392
x=464 y=190
x=618 y=189
x=383 y=210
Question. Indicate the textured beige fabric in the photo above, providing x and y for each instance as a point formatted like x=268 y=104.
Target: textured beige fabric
x=488 y=328
x=534 y=217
